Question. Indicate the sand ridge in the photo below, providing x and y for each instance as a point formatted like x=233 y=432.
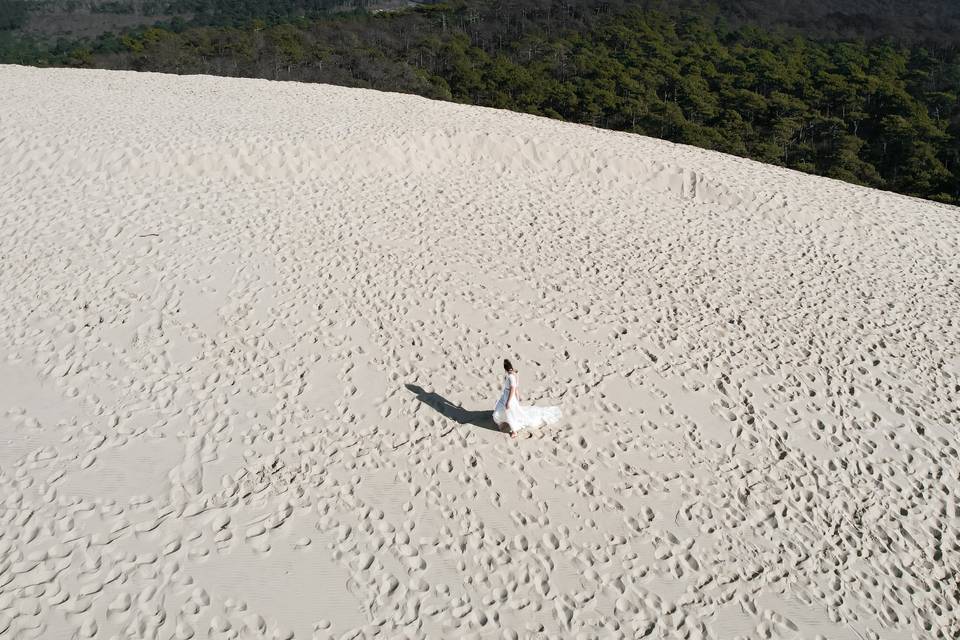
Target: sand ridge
x=249 y=346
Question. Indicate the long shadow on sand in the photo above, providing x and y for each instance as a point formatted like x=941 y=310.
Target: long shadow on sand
x=482 y=419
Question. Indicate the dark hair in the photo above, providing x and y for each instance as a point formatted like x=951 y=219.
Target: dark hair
x=507 y=366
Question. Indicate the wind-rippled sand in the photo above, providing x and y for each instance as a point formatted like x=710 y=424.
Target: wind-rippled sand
x=251 y=336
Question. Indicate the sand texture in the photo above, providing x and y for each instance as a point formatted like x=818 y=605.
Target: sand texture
x=250 y=340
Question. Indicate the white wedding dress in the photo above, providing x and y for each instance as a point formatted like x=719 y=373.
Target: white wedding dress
x=519 y=416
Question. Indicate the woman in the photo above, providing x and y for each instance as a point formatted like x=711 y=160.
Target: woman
x=512 y=415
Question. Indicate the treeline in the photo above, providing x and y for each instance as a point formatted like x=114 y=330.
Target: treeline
x=879 y=114
x=916 y=22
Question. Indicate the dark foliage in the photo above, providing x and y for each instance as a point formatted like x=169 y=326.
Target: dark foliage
x=13 y=14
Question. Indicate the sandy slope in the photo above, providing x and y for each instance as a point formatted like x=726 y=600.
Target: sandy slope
x=251 y=335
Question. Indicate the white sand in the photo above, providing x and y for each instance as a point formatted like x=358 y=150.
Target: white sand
x=226 y=303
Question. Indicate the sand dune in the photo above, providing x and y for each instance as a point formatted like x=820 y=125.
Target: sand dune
x=251 y=335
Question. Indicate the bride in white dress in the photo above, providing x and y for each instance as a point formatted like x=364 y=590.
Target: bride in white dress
x=514 y=416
